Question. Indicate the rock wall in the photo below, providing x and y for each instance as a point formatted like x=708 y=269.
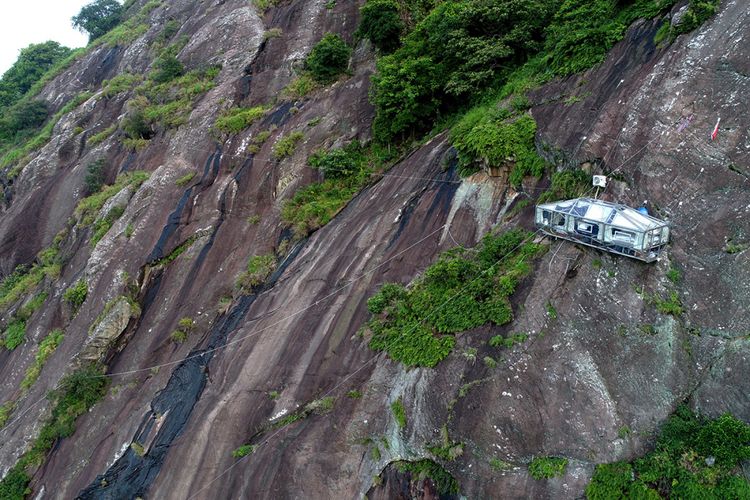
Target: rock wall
x=588 y=385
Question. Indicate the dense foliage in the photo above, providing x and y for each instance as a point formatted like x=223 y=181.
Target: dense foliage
x=98 y=17
x=329 y=58
x=32 y=63
x=424 y=469
x=694 y=457
x=463 y=49
x=491 y=136
x=464 y=289
x=381 y=24
x=346 y=171
x=547 y=467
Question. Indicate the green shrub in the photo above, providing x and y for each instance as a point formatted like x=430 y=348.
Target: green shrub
x=674 y=275
x=354 y=394
x=300 y=87
x=669 y=305
x=238 y=119
x=399 y=413
x=486 y=136
x=464 y=289
x=694 y=457
x=101 y=136
x=566 y=185
x=381 y=23
x=94 y=179
x=287 y=145
x=76 y=294
x=45 y=350
x=166 y=68
x=184 y=327
x=329 y=58
x=259 y=268
x=341 y=162
x=547 y=467
x=243 y=451
x=6 y=409
x=15 y=334
x=185 y=179
x=103 y=225
x=263 y=5
x=698 y=12
x=88 y=208
x=14 y=485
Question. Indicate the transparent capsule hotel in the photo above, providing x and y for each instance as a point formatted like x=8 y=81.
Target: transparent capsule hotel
x=607 y=226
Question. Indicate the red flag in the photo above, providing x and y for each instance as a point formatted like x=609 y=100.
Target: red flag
x=716 y=130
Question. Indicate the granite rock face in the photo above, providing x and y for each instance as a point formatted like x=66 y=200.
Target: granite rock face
x=601 y=370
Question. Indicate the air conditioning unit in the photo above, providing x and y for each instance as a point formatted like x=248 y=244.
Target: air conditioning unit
x=600 y=181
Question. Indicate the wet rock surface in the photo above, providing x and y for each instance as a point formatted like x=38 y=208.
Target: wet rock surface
x=602 y=368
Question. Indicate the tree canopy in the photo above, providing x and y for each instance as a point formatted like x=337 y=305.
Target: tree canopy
x=32 y=63
x=98 y=17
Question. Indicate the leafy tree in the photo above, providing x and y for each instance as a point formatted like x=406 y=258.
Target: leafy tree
x=94 y=181
x=167 y=68
x=32 y=63
x=459 y=49
x=21 y=120
x=381 y=24
x=98 y=17
x=329 y=58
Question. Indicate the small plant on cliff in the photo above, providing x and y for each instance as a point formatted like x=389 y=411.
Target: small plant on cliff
x=76 y=294
x=243 y=451
x=399 y=413
x=184 y=327
x=15 y=334
x=236 y=120
x=259 y=268
x=46 y=348
x=547 y=467
x=287 y=145
x=329 y=58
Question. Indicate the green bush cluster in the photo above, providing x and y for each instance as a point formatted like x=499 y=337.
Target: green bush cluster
x=566 y=185
x=420 y=470
x=671 y=304
x=123 y=82
x=98 y=17
x=381 y=24
x=464 y=289
x=243 y=451
x=694 y=457
x=25 y=278
x=458 y=50
x=20 y=150
x=493 y=137
x=94 y=179
x=287 y=145
x=698 y=12
x=329 y=58
x=32 y=64
x=184 y=327
x=547 y=467
x=101 y=136
x=259 y=268
x=346 y=170
x=45 y=350
x=76 y=294
x=88 y=208
x=15 y=334
x=509 y=341
x=399 y=413
x=236 y=120
x=104 y=224
x=339 y=163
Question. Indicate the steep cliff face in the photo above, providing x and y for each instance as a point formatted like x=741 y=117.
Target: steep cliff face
x=589 y=369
